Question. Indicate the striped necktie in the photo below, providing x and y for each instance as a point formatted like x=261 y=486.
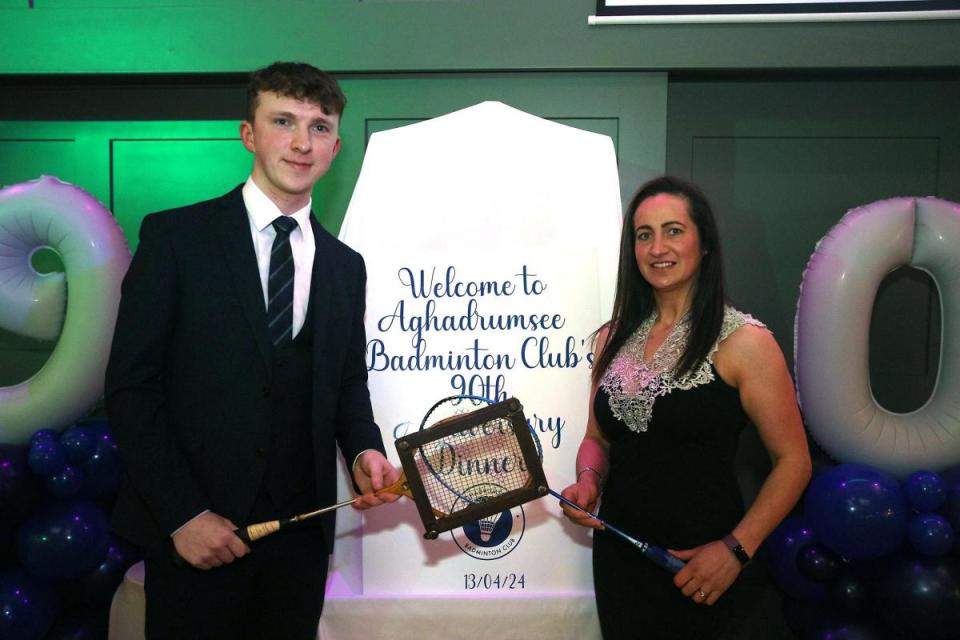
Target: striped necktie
x=280 y=283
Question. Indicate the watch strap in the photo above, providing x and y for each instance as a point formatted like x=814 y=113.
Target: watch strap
x=737 y=549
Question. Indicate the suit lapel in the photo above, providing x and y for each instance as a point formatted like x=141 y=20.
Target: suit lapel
x=320 y=281
x=241 y=261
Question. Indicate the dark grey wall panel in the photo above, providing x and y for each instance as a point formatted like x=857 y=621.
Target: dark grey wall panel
x=784 y=160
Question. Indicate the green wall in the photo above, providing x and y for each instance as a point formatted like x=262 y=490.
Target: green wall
x=161 y=36
x=135 y=167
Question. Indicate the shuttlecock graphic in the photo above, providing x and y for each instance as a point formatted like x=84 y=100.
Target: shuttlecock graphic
x=487 y=525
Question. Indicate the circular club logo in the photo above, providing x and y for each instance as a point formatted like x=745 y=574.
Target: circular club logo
x=493 y=536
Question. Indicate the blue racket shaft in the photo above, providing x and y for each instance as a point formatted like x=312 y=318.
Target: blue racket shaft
x=655 y=554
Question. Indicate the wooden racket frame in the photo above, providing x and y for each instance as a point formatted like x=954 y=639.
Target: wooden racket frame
x=435 y=522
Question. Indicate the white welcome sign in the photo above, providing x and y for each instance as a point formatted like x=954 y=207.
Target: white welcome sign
x=491 y=240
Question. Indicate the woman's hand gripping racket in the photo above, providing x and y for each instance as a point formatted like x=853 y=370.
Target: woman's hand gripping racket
x=474 y=458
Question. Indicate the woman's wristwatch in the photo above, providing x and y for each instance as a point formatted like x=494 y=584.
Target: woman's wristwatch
x=737 y=549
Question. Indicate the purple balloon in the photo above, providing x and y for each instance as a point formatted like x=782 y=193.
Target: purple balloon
x=781 y=550
x=930 y=534
x=63 y=540
x=925 y=491
x=28 y=606
x=857 y=511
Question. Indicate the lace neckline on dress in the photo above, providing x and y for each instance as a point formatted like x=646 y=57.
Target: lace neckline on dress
x=633 y=385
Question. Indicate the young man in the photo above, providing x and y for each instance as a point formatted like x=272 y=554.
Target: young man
x=237 y=369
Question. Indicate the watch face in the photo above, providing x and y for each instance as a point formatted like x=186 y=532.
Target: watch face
x=741 y=554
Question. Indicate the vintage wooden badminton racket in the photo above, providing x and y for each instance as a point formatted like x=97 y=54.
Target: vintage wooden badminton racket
x=474 y=458
x=467 y=462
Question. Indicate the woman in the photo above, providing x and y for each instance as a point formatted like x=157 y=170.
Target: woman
x=678 y=375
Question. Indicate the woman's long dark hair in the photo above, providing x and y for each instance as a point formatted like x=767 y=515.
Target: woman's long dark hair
x=634 y=300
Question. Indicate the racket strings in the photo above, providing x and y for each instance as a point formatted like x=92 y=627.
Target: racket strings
x=472 y=466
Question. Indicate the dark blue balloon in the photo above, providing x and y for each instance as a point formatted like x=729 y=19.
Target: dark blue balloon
x=849 y=628
x=925 y=491
x=850 y=592
x=42 y=434
x=46 y=457
x=819 y=563
x=951 y=507
x=67 y=483
x=821 y=621
x=930 y=534
x=96 y=588
x=8 y=551
x=63 y=540
x=781 y=550
x=79 y=443
x=28 y=607
x=804 y=617
x=79 y=628
x=857 y=511
x=102 y=469
x=19 y=488
x=919 y=597
x=96 y=426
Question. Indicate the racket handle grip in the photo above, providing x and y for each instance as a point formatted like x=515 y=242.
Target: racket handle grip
x=655 y=554
x=243 y=535
x=658 y=556
x=253 y=532
x=651 y=552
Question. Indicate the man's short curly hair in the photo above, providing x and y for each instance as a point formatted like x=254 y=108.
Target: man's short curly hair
x=295 y=80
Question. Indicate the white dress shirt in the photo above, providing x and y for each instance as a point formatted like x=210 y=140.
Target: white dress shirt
x=261 y=212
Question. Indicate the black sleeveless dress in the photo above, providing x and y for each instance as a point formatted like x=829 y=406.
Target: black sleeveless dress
x=672 y=485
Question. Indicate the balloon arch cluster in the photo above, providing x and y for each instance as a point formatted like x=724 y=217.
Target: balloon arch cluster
x=873 y=554
x=59 y=563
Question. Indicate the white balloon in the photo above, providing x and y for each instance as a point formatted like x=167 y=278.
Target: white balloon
x=831 y=341
x=79 y=305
